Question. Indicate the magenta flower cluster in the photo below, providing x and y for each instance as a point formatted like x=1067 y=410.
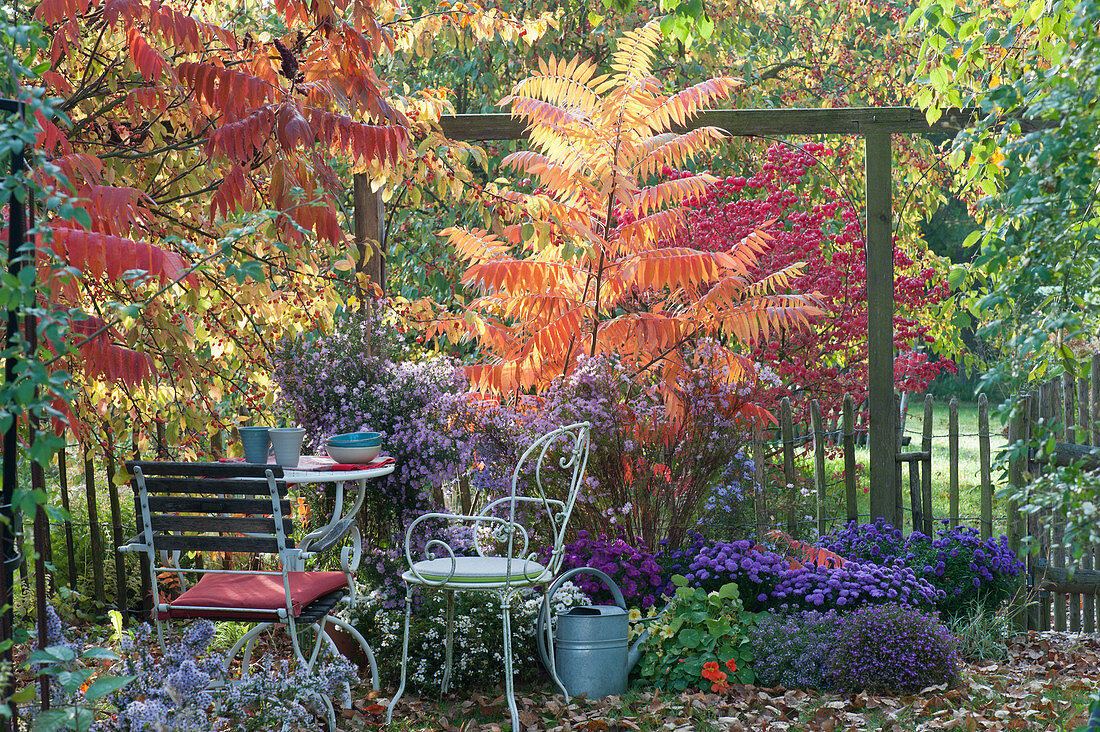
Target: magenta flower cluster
x=633 y=568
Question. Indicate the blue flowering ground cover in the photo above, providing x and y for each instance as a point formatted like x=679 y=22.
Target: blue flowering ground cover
x=183 y=689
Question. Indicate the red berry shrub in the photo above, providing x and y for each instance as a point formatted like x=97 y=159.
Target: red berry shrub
x=820 y=227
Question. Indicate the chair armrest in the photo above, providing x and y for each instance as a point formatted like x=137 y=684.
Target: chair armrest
x=133 y=545
x=336 y=533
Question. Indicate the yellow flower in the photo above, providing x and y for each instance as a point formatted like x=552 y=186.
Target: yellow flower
x=634 y=615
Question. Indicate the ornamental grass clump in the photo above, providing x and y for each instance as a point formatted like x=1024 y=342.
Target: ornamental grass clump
x=891 y=649
x=792 y=650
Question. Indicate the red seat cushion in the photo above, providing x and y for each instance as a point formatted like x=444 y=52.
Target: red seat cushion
x=253 y=591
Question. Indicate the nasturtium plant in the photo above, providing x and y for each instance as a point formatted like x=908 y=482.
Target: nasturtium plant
x=699 y=637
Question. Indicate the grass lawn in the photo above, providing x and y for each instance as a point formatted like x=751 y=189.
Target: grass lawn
x=969 y=473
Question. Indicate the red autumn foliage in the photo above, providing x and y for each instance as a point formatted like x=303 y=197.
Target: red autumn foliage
x=821 y=227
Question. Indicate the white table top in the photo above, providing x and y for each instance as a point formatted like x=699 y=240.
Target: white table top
x=311 y=469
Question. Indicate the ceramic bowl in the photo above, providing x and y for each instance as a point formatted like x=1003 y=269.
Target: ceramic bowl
x=355 y=439
x=353 y=455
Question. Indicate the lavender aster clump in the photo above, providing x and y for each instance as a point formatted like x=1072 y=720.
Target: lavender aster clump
x=726 y=507
x=279 y=695
x=878 y=542
x=971 y=572
x=967 y=571
x=710 y=564
x=171 y=693
x=650 y=471
x=853 y=585
x=768 y=580
x=793 y=649
x=891 y=649
x=333 y=386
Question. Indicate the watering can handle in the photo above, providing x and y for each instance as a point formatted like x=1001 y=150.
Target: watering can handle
x=543 y=622
x=565 y=577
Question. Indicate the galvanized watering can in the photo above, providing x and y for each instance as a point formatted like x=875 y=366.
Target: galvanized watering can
x=591 y=652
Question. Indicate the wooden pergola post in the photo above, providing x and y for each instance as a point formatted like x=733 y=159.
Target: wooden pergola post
x=875 y=125
x=370 y=230
x=882 y=440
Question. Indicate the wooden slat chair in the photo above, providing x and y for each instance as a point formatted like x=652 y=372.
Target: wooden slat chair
x=239 y=508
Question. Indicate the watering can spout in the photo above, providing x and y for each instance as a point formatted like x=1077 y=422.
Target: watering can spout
x=635 y=652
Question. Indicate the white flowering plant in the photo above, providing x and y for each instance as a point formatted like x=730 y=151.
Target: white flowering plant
x=478 y=635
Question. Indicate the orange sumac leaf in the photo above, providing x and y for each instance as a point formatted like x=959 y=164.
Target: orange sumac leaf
x=365 y=143
x=230 y=92
x=66 y=37
x=476 y=245
x=231 y=194
x=116 y=210
x=79 y=168
x=99 y=254
x=239 y=141
x=51 y=12
x=291 y=128
x=128 y=10
x=102 y=358
x=150 y=64
x=145 y=98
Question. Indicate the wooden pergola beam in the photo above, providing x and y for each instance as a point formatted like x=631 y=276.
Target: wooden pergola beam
x=762 y=122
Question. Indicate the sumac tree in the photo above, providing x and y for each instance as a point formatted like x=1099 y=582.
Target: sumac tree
x=577 y=266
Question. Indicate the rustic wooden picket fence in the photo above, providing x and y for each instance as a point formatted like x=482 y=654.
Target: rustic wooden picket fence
x=1067 y=589
x=845 y=432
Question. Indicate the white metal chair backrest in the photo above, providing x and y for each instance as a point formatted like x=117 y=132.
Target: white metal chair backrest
x=570 y=446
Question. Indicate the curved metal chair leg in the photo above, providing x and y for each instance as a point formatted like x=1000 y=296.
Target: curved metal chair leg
x=160 y=632
x=506 y=613
x=330 y=711
x=350 y=630
x=404 y=656
x=550 y=656
x=450 y=644
x=319 y=626
x=248 y=638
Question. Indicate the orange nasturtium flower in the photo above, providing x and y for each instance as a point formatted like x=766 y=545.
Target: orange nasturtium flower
x=711 y=673
x=731 y=665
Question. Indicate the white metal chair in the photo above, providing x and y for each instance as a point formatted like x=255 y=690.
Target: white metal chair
x=238 y=508
x=510 y=570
